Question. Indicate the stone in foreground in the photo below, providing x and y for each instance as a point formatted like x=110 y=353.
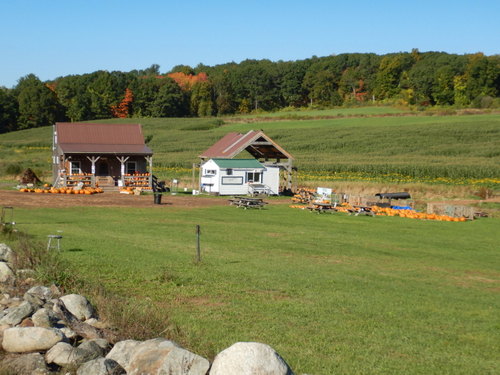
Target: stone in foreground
x=249 y=358
x=100 y=366
x=30 y=339
x=79 y=306
x=160 y=356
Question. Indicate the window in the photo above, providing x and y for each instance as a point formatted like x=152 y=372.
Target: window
x=254 y=177
x=229 y=172
x=210 y=171
x=131 y=167
x=75 y=167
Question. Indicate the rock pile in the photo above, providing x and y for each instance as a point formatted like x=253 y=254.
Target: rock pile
x=44 y=332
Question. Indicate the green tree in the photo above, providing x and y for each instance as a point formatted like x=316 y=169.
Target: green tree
x=322 y=87
x=8 y=111
x=202 y=103
x=38 y=105
x=387 y=81
x=170 y=101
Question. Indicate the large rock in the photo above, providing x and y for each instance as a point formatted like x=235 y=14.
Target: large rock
x=103 y=343
x=38 y=295
x=79 y=306
x=100 y=366
x=17 y=314
x=6 y=254
x=122 y=352
x=26 y=364
x=160 y=356
x=249 y=358
x=30 y=339
x=65 y=355
x=6 y=273
x=61 y=354
x=44 y=318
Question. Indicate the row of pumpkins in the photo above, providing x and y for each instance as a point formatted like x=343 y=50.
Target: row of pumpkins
x=63 y=190
x=412 y=214
x=387 y=211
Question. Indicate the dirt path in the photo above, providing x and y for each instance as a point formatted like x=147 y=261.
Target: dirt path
x=16 y=198
x=108 y=199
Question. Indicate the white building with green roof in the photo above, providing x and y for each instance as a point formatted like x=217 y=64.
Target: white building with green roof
x=239 y=177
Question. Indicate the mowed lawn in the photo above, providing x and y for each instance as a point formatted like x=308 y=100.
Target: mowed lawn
x=333 y=294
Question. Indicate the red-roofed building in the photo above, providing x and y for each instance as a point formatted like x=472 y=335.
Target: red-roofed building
x=101 y=154
x=257 y=144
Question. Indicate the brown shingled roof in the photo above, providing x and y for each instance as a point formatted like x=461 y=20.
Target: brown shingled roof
x=74 y=137
x=256 y=143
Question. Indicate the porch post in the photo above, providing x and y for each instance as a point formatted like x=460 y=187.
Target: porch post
x=122 y=160
x=149 y=159
x=93 y=160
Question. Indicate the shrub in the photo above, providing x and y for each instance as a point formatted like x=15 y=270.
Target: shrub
x=13 y=169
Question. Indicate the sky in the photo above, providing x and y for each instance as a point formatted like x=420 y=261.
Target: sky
x=53 y=38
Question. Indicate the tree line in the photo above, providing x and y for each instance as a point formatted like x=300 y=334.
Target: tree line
x=410 y=79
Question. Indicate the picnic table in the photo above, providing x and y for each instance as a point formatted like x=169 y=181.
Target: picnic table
x=245 y=203
x=321 y=207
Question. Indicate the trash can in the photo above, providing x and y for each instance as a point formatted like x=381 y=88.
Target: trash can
x=157 y=198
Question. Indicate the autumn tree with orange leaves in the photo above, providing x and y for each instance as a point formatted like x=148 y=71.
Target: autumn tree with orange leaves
x=122 y=110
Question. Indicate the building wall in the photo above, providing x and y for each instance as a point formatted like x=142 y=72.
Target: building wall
x=272 y=179
x=233 y=184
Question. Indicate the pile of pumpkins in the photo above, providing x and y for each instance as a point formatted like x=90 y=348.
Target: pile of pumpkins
x=387 y=211
x=47 y=189
x=412 y=214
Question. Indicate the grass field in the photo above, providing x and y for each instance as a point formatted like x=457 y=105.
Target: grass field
x=332 y=293
x=305 y=113
x=442 y=149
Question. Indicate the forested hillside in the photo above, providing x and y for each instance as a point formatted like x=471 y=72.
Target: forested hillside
x=414 y=79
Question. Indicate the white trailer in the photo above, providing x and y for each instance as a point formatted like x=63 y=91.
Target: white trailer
x=238 y=177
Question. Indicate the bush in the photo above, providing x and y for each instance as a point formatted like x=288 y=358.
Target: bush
x=13 y=169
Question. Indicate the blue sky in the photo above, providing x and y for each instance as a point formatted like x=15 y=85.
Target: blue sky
x=52 y=38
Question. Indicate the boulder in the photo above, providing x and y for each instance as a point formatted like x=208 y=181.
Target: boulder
x=249 y=358
x=79 y=306
x=61 y=354
x=68 y=332
x=160 y=356
x=92 y=347
x=100 y=366
x=25 y=364
x=103 y=343
x=6 y=273
x=17 y=314
x=30 y=339
x=65 y=355
x=44 y=318
x=38 y=295
x=122 y=352
x=6 y=254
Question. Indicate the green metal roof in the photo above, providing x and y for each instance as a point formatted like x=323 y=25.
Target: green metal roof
x=238 y=163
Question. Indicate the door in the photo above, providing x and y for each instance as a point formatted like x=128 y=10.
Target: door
x=103 y=168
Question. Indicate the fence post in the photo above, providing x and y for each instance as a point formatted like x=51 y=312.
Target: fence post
x=198 y=251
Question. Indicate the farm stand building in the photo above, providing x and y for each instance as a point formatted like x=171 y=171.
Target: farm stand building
x=100 y=154
x=272 y=156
